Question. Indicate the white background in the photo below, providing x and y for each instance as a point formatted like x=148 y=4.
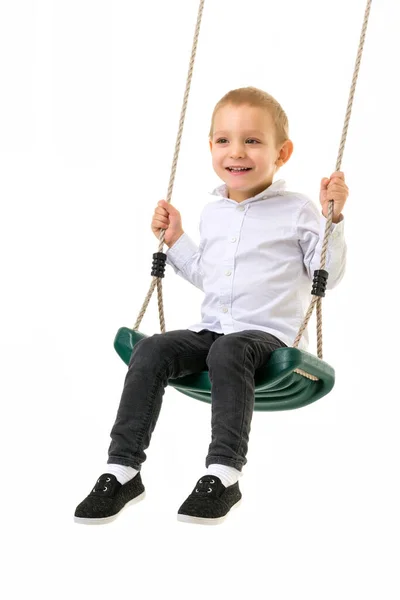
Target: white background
x=91 y=93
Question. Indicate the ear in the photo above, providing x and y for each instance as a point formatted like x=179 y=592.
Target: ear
x=211 y=144
x=285 y=153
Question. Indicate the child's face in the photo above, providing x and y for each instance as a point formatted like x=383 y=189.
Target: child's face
x=245 y=136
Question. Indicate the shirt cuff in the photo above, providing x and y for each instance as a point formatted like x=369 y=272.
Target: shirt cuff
x=336 y=230
x=181 y=252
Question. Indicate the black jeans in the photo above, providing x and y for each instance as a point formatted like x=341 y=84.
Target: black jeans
x=231 y=360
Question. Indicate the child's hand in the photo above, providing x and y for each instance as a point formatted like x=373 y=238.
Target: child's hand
x=334 y=189
x=167 y=217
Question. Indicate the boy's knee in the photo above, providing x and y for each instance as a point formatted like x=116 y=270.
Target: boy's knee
x=222 y=348
x=150 y=348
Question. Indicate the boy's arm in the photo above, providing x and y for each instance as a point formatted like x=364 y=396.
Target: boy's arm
x=184 y=257
x=310 y=231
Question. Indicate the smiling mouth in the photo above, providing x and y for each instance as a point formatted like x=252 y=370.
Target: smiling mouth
x=241 y=170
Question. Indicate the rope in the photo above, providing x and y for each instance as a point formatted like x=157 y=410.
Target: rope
x=172 y=177
x=315 y=300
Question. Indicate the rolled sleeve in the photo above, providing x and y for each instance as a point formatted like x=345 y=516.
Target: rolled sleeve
x=336 y=231
x=181 y=252
x=185 y=258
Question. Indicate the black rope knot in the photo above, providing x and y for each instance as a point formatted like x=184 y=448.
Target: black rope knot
x=159 y=260
x=319 y=283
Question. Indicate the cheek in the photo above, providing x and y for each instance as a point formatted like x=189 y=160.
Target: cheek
x=216 y=161
x=262 y=160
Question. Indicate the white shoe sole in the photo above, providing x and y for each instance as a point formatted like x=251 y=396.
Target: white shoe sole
x=103 y=520
x=206 y=521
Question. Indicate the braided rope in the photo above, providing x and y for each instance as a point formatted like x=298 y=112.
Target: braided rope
x=330 y=213
x=315 y=300
x=172 y=176
x=306 y=375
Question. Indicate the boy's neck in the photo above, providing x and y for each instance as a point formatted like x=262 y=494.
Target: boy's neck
x=241 y=196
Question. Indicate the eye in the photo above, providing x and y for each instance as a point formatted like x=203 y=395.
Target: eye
x=224 y=140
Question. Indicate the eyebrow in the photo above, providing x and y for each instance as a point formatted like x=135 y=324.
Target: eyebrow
x=251 y=131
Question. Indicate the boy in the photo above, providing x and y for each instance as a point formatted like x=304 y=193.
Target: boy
x=259 y=247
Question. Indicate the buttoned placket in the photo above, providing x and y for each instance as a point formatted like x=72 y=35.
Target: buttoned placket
x=227 y=266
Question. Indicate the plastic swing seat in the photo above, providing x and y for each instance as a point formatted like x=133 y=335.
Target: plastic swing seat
x=277 y=385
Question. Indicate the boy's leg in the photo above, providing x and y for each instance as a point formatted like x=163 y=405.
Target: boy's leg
x=232 y=362
x=154 y=360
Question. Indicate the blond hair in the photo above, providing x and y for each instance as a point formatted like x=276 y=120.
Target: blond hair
x=253 y=96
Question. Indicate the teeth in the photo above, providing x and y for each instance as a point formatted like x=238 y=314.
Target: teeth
x=238 y=169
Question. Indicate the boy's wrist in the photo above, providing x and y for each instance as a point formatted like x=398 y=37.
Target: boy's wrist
x=173 y=241
x=335 y=220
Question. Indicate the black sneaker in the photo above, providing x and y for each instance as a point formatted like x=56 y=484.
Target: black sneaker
x=108 y=498
x=210 y=501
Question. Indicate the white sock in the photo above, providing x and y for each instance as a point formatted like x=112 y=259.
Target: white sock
x=122 y=473
x=228 y=475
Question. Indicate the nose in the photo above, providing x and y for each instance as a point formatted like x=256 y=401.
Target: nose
x=237 y=150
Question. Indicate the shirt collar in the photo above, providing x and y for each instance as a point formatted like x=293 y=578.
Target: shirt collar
x=275 y=189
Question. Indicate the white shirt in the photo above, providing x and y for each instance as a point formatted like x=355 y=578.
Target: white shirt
x=256 y=261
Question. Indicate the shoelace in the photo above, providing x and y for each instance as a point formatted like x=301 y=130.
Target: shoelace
x=101 y=485
x=204 y=485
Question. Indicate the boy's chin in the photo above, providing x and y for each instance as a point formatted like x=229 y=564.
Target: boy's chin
x=240 y=185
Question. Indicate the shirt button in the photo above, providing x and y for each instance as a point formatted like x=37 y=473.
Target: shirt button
x=240 y=207
x=228 y=273
x=233 y=239
x=225 y=310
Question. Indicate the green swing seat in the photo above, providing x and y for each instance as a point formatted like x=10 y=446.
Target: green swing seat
x=277 y=386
